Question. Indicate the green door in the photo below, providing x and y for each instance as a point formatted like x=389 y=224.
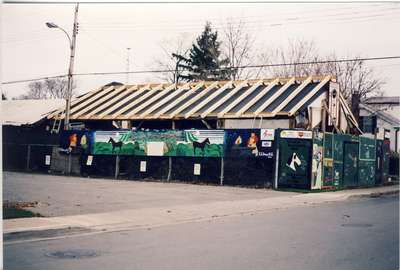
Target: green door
x=350 y=164
x=295 y=163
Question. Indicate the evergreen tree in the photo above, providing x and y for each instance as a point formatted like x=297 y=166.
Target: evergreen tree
x=204 y=61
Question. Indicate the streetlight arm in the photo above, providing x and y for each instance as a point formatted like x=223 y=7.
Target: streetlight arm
x=69 y=38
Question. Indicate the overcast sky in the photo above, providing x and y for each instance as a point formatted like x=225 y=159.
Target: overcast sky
x=31 y=50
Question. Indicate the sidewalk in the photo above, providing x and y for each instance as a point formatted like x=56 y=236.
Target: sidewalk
x=160 y=216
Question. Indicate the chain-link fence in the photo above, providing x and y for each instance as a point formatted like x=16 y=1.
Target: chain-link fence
x=27 y=157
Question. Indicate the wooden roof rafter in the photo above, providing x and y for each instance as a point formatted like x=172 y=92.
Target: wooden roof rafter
x=292 y=95
x=268 y=102
x=194 y=99
x=109 y=102
x=165 y=100
x=137 y=101
x=257 y=98
x=225 y=98
x=208 y=99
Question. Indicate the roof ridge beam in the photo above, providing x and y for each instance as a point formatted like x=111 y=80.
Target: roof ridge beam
x=208 y=99
x=225 y=98
x=309 y=95
x=257 y=98
x=292 y=95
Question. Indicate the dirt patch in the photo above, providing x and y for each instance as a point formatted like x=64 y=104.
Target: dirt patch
x=17 y=210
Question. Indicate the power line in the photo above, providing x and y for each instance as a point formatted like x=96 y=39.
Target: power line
x=37 y=79
x=227 y=68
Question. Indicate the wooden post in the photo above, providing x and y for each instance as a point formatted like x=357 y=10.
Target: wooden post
x=69 y=164
x=28 y=157
x=323 y=123
x=222 y=172
x=276 y=164
x=116 y=167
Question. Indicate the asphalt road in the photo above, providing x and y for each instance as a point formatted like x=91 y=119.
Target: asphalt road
x=353 y=234
x=63 y=195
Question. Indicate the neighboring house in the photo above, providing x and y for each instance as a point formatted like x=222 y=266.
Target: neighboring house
x=27 y=139
x=390 y=105
x=24 y=121
x=309 y=102
x=377 y=119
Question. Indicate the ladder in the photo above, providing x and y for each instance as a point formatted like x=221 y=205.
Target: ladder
x=56 y=126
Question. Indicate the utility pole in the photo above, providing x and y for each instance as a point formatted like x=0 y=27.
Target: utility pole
x=71 y=69
x=127 y=64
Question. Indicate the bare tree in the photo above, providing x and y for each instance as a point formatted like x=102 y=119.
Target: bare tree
x=166 y=60
x=297 y=51
x=237 y=47
x=354 y=77
x=47 y=89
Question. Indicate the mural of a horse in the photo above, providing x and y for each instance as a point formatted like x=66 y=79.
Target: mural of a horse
x=292 y=161
x=200 y=145
x=115 y=144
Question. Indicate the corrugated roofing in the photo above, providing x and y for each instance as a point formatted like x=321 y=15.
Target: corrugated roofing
x=222 y=99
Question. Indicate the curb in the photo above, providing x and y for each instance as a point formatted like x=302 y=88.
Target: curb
x=374 y=194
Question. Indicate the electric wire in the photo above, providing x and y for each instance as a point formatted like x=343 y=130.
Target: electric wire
x=219 y=69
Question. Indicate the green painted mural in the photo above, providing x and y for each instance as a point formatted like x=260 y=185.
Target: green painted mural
x=190 y=143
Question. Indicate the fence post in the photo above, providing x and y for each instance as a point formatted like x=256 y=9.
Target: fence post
x=276 y=165
x=222 y=172
x=69 y=164
x=28 y=157
x=116 y=167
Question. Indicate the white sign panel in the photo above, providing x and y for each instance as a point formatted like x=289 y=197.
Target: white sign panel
x=266 y=144
x=155 y=148
x=196 y=169
x=296 y=134
x=143 y=165
x=47 y=160
x=267 y=134
x=89 y=160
